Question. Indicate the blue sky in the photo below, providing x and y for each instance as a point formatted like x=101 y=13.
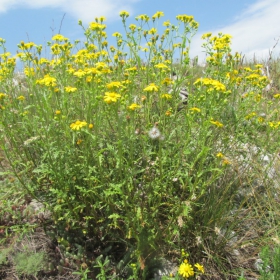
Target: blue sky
x=254 y=24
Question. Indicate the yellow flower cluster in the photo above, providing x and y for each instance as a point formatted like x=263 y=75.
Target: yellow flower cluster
x=47 y=81
x=157 y=15
x=70 y=89
x=114 y=85
x=166 y=96
x=7 y=65
x=124 y=14
x=143 y=18
x=222 y=42
x=186 y=270
x=161 y=66
x=21 y=98
x=151 y=88
x=134 y=106
x=274 y=124
x=220 y=45
x=2 y=95
x=97 y=26
x=206 y=35
x=248 y=76
x=78 y=125
x=194 y=109
x=250 y=116
x=111 y=97
x=26 y=46
x=211 y=84
x=216 y=123
x=60 y=38
x=185 y=18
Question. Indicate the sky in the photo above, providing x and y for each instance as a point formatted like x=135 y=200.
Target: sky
x=254 y=24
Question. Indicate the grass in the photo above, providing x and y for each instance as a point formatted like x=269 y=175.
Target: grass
x=129 y=176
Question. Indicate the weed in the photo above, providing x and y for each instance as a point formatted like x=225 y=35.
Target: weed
x=29 y=263
x=128 y=159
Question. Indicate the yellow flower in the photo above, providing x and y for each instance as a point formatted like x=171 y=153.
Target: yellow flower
x=29 y=71
x=226 y=162
x=152 y=31
x=124 y=14
x=59 y=37
x=57 y=112
x=132 y=69
x=258 y=66
x=111 y=97
x=79 y=141
x=105 y=44
x=43 y=61
x=274 y=124
x=2 y=95
x=199 y=267
x=134 y=106
x=97 y=26
x=26 y=46
x=166 y=23
x=47 y=81
x=178 y=45
x=219 y=155
x=101 y=65
x=143 y=17
x=168 y=113
x=185 y=18
x=70 y=89
x=161 y=66
x=80 y=73
x=251 y=115
x=117 y=34
x=90 y=126
x=113 y=85
x=276 y=95
x=186 y=270
x=143 y=98
x=167 y=81
x=206 y=35
x=218 y=86
x=194 y=109
x=21 y=98
x=166 y=96
x=78 y=125
x=102 y=18
x=151 y=87
x=218 y=124
x=132 y=27
x=88 y=79
x=210 y=82
x=157 y=15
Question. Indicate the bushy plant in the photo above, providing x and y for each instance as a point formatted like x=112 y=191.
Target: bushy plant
x=104 y=139
x=29 y=263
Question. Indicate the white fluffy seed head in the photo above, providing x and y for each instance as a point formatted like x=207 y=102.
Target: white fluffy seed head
x=154 y=133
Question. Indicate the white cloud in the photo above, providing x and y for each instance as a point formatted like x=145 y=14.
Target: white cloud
x=254 y=31
x=86 y=10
